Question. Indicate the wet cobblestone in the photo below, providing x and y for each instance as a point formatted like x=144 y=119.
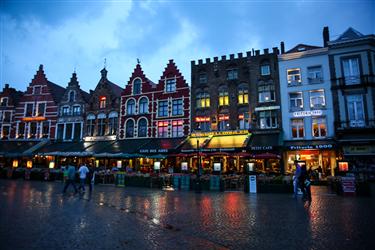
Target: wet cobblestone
x=35 y=215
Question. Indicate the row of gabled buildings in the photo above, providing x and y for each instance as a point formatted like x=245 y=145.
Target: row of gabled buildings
x=253 y=111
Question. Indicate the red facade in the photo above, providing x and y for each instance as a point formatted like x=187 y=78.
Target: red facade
x=155 y=110
x=37 y=111
x=9 y=98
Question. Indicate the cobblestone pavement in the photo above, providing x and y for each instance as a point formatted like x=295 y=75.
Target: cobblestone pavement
x=35 y=215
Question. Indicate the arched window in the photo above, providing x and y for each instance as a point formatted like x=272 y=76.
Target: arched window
x=130 y=107
x=72 y=96
x=143 y=105
x=142 y=127
x=130 y=129
x=137 y=86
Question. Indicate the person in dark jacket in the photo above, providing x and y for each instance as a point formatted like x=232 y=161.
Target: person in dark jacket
x=70 y=178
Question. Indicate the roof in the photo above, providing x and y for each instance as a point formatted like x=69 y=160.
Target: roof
x=116 y=90
x=302 y=47
x=17 y=148
x=56 y=91
x=349 y=34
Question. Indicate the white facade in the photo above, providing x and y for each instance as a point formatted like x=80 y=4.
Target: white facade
x=306 y=99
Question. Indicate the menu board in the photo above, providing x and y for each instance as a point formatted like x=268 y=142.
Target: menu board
x=348 y=184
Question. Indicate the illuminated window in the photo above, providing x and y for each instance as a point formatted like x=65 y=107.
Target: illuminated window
x=297 y=126
x=130 y=129
x=143 y=105
x=223 y=122
x=102 y=102
x=266 y=93
x=265 y=70
x=32 y=133
x=163 y=129
x=137 y=86
x=351 y=70
x=232 y=74
x=244 y=120
x=76 y=110
x=223 y=98
x=142 y=127
x=317 y=99
x=315 y=74
x=295 y=101
x=170 y=85
x=4 y=101
x=163 y=108
x=319 y=127
x=203 y=123
x=41 y=109
x=294 y=76
x=202 y=78
x=203 y=100
x=177 y=128
x=268 y=119
x=243 y=96
x=21 y=130
x=72 y=96
x=177 y=108
x=29 y=109
x=130 y=107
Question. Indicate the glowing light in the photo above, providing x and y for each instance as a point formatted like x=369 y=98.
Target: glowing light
x=52 y=164
x=15 y=163
x=29 y=164
x=38 y=118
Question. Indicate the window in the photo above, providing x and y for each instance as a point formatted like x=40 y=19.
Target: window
x=60 y=131
x=90 y=125
x=142 y=127
x=297 y=126
x=36 y=90
x=68 y=131
x=29 y=109
x=4 y=101
x=143 y=105
x=223 y=98
x=130 y=107
x=170 y=85
x=137 y=86
x=45 y=129
x=112 y=123
x=243 y=96
x=356 y=110
x=163 y=129
x=223 y=122
x=65 y=111
x=5 y=131
x=101 y=124
x=319 y=127
x=244 y=120
x=294 y=76
x=317 y=99
x=7 y=116
x=267 y=119
x=315 y=74
x=177 y=108
x=265 y=70
x=33 y=127
x=77 y=131
x=102 y=102
x=177 y=128
x=266 y=93
x=76 y=110
x=295 y=101
x=232 y=74
x=72 y=96
x=203 y=123
x=203 y=100
x=129 y=129
x=351 y=70
x=21 y=130
x=163 y=108
x=41 y=109
x=202 y=78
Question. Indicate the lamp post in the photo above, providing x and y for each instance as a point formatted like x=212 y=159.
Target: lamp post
x=198 y=180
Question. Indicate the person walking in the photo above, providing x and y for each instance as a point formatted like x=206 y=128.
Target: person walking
x=91 y=177
x=83 y=170
x=70 y=178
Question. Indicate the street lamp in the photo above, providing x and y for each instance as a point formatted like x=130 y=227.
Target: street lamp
x=198 y=180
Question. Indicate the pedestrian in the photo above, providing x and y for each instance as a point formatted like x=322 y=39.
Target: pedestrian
x=91 y=177
x=70 y=178
x=83 y=170
x=297 y=173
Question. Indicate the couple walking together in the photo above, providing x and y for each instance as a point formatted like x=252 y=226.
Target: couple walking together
x=70 y=173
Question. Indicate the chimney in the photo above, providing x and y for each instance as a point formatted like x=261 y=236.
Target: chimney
x=282 y=47
x=6 y=86
x=325 y=36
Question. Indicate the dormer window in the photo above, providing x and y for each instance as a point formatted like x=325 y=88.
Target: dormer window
x=137 y=86
x=4 y=101
x=36 y=90
x=102 y=102
x=170 y=85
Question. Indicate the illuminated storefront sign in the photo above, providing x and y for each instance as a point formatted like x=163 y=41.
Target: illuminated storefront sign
x=321 y=146
x=29 y=119
x=153 y=151
x=307 y=113
x=238 y=132
x=261 y=147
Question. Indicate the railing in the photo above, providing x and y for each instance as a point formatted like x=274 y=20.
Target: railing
x=315 y=80
x=355 y=124
x=354 y=81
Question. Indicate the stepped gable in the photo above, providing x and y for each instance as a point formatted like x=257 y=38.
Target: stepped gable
x=172 y=71
x=116 y=90
x=41 y=79
x=147 y=84
x=74 y=82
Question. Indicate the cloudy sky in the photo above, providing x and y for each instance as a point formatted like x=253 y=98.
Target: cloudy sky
x=78 y=34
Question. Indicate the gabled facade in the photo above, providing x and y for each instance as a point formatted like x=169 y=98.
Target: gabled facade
x=155 y=110
x=72 y=109
x=103 y=110
x=9 y=98
x=37 y=110
x=352 y=64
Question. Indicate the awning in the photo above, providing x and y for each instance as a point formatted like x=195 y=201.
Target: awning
x=266 y=156
x=66 y=149
x=310 y=144
x=19 y=148
x=264 y=142
x=160 y=145
x=190 y=144
x=227 y=142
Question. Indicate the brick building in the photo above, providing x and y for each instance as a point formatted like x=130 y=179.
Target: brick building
x=9 y=98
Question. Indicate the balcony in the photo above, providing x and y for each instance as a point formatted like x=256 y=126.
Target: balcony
x=355 y=124
x=353 y=82
x=315 y=80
